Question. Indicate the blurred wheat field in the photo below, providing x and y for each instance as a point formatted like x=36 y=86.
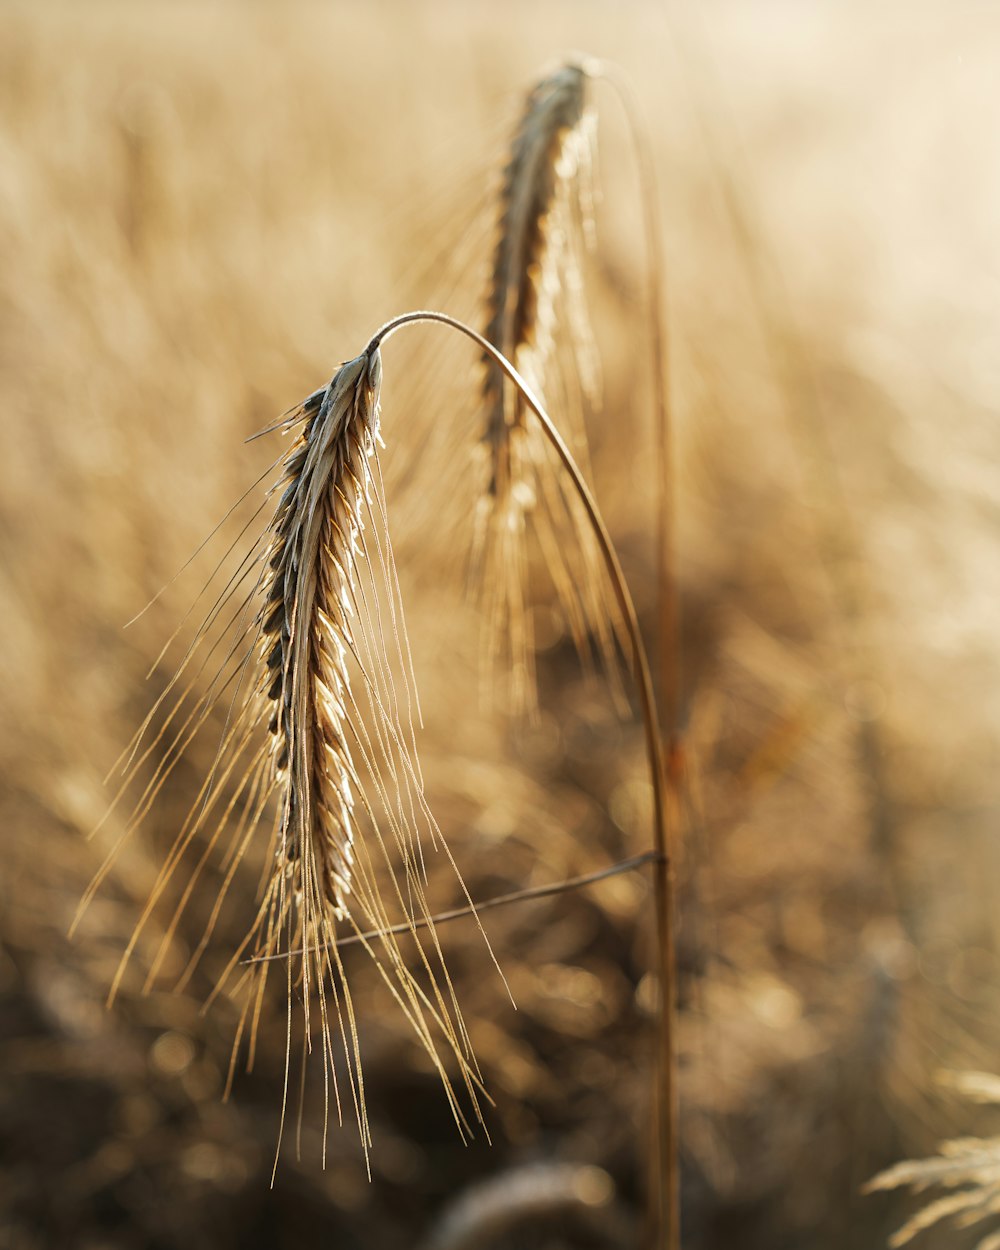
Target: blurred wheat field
x=203 y=210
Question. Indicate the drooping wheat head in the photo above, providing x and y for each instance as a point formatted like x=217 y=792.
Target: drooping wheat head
x=318 y=615
x=537 y=317
x=319 y=750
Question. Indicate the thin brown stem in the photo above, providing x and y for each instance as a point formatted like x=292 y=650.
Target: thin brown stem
x=474 y=909
x=667 y=1191
x=668 y=636
x=668 y=622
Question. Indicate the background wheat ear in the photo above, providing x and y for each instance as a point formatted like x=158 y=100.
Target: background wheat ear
x=969 y=1167
x=545 y=224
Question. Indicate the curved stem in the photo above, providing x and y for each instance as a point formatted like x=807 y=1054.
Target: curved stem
x=666 y=1180
x=639 y=659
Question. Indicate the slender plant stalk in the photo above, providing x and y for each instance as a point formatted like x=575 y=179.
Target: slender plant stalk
x=668 y=633
x=666 y=1194
x=668 y=616
x=487 y=904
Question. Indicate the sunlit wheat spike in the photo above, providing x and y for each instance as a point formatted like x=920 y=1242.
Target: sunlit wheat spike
x=338 y=692
x=317 y=758
x=305 y=634
x=537 y=316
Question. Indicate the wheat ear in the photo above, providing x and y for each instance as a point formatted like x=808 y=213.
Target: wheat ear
x=318 y=749
x=314 y=623
x=545 y=222
x=968 y=1166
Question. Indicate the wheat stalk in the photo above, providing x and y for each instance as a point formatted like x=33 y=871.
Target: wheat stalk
x=665 y=1186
